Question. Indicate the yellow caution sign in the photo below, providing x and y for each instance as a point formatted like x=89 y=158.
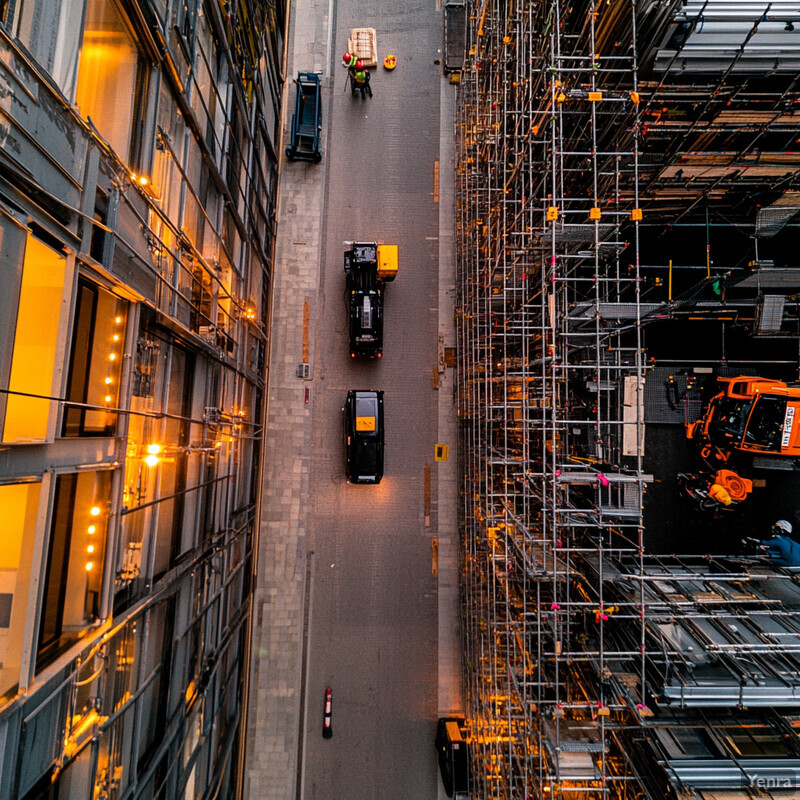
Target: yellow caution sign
x=365 y=423
x=442 y=452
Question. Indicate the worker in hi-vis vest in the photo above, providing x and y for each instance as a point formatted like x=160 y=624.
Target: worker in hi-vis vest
x=362 y=79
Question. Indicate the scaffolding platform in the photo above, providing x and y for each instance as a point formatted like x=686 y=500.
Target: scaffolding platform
x=592 y=660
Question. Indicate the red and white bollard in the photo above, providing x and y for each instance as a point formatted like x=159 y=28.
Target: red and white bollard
x=327 y=731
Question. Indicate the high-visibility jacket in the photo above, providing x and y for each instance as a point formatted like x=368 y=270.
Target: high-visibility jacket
x=361 y=76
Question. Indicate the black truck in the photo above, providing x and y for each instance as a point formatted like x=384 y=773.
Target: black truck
x=368 y=266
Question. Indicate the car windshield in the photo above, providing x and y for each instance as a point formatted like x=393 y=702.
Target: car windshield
x=727 y=420
x=366 y=409
x=765 y=426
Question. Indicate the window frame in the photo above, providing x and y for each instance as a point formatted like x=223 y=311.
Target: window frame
x=65 y=322
x=10 y=16
x=38 y=664
x=84 y=282
x=146 y=85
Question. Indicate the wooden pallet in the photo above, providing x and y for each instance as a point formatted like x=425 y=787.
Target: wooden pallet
x=363 y=43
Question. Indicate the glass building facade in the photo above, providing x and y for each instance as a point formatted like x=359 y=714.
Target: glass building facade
x=138 y=173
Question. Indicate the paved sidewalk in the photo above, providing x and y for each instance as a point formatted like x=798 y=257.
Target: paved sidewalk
x=450 y=651
x=274 y=735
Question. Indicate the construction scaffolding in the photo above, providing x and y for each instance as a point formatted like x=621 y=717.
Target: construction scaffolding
x=585 y=654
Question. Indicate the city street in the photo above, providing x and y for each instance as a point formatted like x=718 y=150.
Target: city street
x=373 y=622
x=368 y=603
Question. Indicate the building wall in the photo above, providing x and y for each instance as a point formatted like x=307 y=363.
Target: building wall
x=138 y=170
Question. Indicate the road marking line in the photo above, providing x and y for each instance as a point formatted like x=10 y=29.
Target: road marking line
x=435 y=181
x=427 y=503
x=306 y=318
x=327 y=72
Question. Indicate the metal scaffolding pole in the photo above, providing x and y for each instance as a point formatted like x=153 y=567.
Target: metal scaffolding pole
x=580 y=645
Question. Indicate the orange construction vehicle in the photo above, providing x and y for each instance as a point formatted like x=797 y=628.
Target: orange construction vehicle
x=758 y=416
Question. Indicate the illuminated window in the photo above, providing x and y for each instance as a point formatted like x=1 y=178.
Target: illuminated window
x=112 y=79
x=75 y=556
x=20 y=504
x=35 y=344
x=99 y=333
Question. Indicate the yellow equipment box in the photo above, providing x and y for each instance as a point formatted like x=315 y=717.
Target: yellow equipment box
x=387 y=262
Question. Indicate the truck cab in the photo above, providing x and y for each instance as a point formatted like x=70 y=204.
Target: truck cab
x=751 y=415
x=368 y=266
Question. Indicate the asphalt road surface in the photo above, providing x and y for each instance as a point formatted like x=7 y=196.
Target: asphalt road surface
x=372 y=625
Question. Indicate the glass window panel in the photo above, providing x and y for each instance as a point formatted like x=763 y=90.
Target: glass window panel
x=169 y=512
x=35 y=344
x=107 y=75
x=119 y=688
x=96 y=361
x=51 y=34
x=173 y=467
x=20 y=505
x=154 y=699
x=166 y=170
x=74 y=577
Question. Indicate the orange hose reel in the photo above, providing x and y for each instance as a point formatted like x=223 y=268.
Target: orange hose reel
x=737 y=486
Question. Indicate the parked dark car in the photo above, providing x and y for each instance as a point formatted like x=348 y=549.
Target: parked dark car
x=453 y=755
x=363 y=433
x=306 y=120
